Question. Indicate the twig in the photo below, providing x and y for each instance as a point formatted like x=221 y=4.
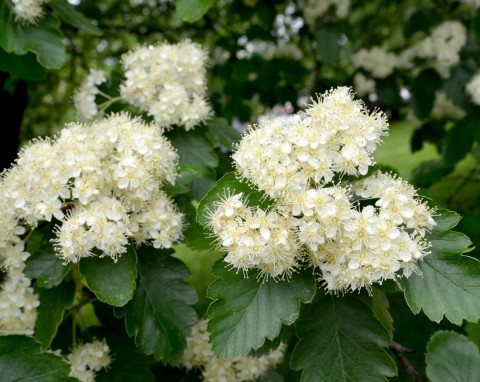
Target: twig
x=400 y=352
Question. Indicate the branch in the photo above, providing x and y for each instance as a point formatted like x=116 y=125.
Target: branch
x=400 y=352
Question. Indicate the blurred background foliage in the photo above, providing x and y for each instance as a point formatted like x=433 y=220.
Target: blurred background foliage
x=270 y=57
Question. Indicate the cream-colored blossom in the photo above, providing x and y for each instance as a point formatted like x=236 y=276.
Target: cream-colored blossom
x=443 y=46
x=315 y=214
x=314 y=10
x=168 y=82
x=363 y=85
x=473 y=89
x=28 y=11
x=84 y=97
x=18 y=303
x=107 y=175
x=198 y=354
x=378 y=62
x=87 y=359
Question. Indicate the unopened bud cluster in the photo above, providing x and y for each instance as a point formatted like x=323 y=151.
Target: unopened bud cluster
x=316 y=215
x=199 y=355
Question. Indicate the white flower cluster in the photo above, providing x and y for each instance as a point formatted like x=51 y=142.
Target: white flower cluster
x=363 y=85
x=338 y=136
x=84 y=98
x=377 y=61
x=199 y=354
x=316 y=9
x=443 y=46
x=300 y=164
x=107 y=176
x=254 y=238
x=473 y=88
x=87 y=359
x=28 y=11
x=18 y=304
x=443 y=107
x=168 y=82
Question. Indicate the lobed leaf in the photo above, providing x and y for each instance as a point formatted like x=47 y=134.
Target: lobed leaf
x=43 y=264
x=452 y=357
x=53 y=303
x=112 y=282
x=44 y=39
x=247 y=311
x=22 y=360
x=193 y=10
x=340 y=340
x=450 y=282
x=160 y=316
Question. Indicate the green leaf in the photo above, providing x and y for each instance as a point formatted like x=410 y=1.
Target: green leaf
x=160 y=315
x=53 y=303
x=247 y=311
x=43 y=264
x=44 y=39
x=340 y=340
x=459 y=140
x=193 y=10
x=26 y=66
x=450 y=283
x=195 y=236
x=229 y=182
x=112 y=282
x=193 y=147
x=22 y=360
x=423 y=92
x=422 y=20
x=451 y=357
x=472 y=331
x=71 y=16
x=454 y=86
x=222 y=133
x=429 y=172
x=380 y=308
x=446 y=220
x=186 y=173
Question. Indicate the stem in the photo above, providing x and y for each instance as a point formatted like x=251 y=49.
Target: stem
x=104 y=105
x=400 y=352
x=74 y=330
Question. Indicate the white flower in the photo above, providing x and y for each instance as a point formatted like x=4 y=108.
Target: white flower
x=338 y=135
x=199 y=354
x=28 y=11
x=363 y=85
x=378 y=62
x=168 y=82
x=84 y=97
x=443 y=45
x=107 y=175
x=87 y=359
x=316 y=9
x=295 y=161
x=473 y=88
x=18 y=303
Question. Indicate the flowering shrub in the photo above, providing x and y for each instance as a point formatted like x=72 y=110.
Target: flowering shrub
x=212 y=208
